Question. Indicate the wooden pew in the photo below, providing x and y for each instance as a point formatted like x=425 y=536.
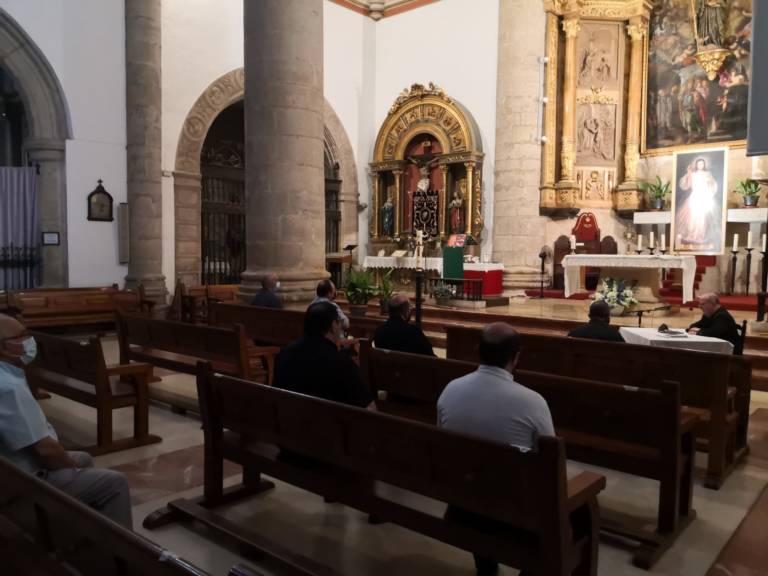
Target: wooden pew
x=716 y=387
x=179 y=346
x=602 y=424
x=340 y=451
x=77 y=371
x=196 y=300
x=48 y=308
x=45 y=532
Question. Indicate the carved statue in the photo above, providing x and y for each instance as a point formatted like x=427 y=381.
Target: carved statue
x=388 y=216
x=425 y=181
x=710 y=21
x=456 y=209
x=594 y=189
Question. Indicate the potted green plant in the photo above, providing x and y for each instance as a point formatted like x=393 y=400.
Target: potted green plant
x=657 y=193
x=443 y=293
x=750 y=192
x=385 y=292
x=359 y=291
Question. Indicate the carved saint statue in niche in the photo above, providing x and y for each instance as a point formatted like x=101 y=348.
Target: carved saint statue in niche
x=710 y=21
x=596 y=132
x=456 y=208
x=388 y=215
x=594 y=189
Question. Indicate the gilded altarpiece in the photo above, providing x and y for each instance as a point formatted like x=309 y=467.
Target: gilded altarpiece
x=595 y=58
x=427 y=170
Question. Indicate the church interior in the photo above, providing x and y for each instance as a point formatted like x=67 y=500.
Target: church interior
x=569 y=196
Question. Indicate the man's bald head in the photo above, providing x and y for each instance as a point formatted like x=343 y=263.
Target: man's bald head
x=10 y=328
x=709 y=303
x=399 y=306
x=269 y=282
x=499 y=345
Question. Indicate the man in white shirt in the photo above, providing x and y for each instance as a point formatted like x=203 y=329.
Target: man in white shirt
x=489 y=403
x=326 y=292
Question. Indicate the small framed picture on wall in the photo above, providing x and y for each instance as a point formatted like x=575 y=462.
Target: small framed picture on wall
x=51 y=239
x=100 y=205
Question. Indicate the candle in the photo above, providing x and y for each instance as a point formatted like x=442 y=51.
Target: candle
x=651 y=241
x=573 y=242
x=679 y=241
x=663 y=241
x=763 y=242
x=639 y=241
x=749 y=239
x=735 y=243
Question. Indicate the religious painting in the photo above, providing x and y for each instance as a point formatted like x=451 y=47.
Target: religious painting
x=598 y=55
x=425 y=212
x=699 y=201
x=100 y=204
x=596 y=133
x=684 y=105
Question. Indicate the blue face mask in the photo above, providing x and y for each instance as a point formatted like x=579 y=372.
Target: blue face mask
x=30 y=350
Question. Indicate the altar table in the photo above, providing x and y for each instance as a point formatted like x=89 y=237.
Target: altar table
x=652 y=337
x=572 y=264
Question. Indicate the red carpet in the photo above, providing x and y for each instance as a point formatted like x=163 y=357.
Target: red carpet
x=560 y=294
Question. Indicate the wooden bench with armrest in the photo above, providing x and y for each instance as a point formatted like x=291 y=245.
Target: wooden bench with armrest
x=715 y=387
x=45 y=532
x=602 y=424
x=77 y=370
x=340 y=451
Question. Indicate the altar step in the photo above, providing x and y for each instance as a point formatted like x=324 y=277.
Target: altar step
x=560 y=294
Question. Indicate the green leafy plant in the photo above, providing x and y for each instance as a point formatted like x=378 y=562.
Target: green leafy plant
x=656 y=190
x=748 y=188
x=360 y=287
x=386 y=287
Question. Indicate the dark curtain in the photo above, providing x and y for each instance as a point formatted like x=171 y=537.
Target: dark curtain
x=19 y=229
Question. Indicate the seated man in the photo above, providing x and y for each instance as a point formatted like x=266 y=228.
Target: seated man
x=598 y=327
x=30 y=442
x=266 y=297
x=716 y=321
x=326 y=292
x=397 y=334
x=489 y=403
x=314 y=365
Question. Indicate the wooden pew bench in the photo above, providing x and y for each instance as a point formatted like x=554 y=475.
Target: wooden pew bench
x=715 y=387
x=77 y=371
x=179 y=346
x=553 y=521
x=45 y=532
x=602 y=424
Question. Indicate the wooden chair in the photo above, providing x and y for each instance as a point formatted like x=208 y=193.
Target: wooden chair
x=327 y=448
x=76 y=370
x=738 y=349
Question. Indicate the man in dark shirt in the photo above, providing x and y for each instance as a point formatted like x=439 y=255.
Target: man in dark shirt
x=266 y=297
x=397 y=334
x=716 y=321
x=599 y=324
x=314 y=365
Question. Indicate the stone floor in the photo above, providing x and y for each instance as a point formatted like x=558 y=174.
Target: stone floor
x=341 y=537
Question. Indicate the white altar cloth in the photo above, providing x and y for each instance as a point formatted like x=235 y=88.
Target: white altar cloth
x=573 y=262
x=408 y=262
x=652 y=337
x=483 y=266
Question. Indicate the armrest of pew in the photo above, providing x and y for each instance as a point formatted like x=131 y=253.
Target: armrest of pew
x=582 y=488
x=139 y=369
x=267 y=354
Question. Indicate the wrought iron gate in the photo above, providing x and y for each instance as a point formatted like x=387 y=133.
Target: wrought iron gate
x=223 y=225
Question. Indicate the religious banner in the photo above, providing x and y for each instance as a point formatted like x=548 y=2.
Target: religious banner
x=698 y=73
x=699 y=201
x=425 y=212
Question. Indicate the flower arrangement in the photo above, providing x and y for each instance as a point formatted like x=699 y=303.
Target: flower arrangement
x=443 y=291
x=616 y=292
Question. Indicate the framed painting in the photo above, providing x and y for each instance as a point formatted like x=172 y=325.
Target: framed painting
x=699 y=201
x=683 y=107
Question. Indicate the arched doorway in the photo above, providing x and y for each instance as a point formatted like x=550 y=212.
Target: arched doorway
x=188 y=174
x=44 y=130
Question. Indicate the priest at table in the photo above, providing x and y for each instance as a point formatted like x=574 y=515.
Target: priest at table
x=716 y=321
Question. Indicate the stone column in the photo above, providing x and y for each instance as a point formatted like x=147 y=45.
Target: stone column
x=637 y=30
x=375 y=203
x=143 y=107
x=52 y=207
x=567 y=186
x=442 y=201
x=284 y=178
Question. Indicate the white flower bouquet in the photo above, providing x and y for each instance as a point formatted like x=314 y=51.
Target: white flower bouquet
x=616 y=292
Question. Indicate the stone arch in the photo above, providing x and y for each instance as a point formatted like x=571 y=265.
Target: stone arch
x=48 y=126
x=223 y=92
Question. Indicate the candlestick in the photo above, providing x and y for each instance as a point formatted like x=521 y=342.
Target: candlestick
x=573 y=242
x=749 y=240
x=663 y=243
x=639 y=242
x=763 y=250
x=733 y=264
x=638 y=252
x=651 y=243
x=749 y=266
x=735 y=243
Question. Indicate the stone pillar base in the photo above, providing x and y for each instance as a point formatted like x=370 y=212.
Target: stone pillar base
x=522 y=277
x=154 y=287
x=294 y=286
x=627 y=199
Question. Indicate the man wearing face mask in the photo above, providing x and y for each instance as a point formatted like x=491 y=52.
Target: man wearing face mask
x=266 y=297
x=30 y=442
x=314 y=365
x=398 y=334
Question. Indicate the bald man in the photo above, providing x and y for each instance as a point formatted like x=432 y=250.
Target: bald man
x=398 y=334
x=267 y=297
x=30 y=442
x=716 y=321
x=490 y=404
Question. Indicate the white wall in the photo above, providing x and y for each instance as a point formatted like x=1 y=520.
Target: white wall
x=84 y=41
